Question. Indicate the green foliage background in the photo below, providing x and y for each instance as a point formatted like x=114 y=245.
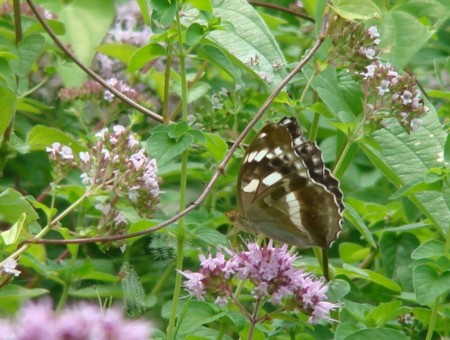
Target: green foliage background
x=392 y=258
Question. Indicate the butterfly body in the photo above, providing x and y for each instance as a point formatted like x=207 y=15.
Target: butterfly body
x=285 y=191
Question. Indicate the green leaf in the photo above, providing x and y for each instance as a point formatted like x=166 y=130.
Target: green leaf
x=30 y=105
x=384 y=313
x=13 y=205
x=447 y=149
x=429 y=249
x=163 y=148
x=368 y=275
x=416 y=186
x=142 y=56
x=379 y=162
x=8 y=79
x=163 y=14
x=409 y=156
x=357 y=310
x=122 y=52
x=177 y=130
x=352 y=252
x=8 y=102
x=11 y=235
x=327 y=87
x=402 y=36
x=29 y=50
x=353 y=217
x=221 y=59
x=408 y=227
x=86 y=23
x=245 y=35
x=145 y=12
x=322 y=109
x=49 y=212
x=356 y=9
x=197 y=314
x=337 y=290
x=376 y=334
x=395 y=250
x=12 y=292
x=199 y=90
x=428 y=284
x=210 y=236
x=215 y=145
x=204 y=5
x=41 y=137
x=346 y=328
x=194 y=34
x=427 y=8
x=56 y=26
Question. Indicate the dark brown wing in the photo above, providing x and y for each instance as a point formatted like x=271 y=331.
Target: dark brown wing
x=285 y=190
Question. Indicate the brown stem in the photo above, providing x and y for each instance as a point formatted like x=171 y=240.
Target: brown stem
x=254 y=319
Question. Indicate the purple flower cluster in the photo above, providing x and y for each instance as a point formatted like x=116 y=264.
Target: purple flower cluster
x=129 y=27
x=272 y=275
x=353 y=46
x=93 y=89
x=8 y=267
x=121 y=86
x=6 y=8
x=115 y=163
x=82 y=321
x=389 y=94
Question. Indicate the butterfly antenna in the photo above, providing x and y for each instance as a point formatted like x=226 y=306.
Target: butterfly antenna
x=325 y=267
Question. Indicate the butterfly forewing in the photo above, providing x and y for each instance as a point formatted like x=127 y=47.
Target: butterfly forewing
x=285 y=191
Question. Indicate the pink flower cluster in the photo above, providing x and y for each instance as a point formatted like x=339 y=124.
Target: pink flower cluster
x=115 y=163
x=273 y=278
x=353 y=46
x=82 y=321
x=389 y=94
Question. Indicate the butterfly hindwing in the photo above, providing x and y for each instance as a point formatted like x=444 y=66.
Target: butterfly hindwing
x=285 y=191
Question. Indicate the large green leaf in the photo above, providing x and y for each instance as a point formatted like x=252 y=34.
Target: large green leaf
x=428 y=284
x=86 y=23
x=163 y=148
x=439 y=9
x=41 y=137
x=409 y=156
x=369 y=275
x=395 y=250
x=402 y=36
x=384 y=313
x=356 y=9
x=12 y=292
x=352 y=215
x=198 y=313
x=210 y=236
x=429 y=249
x=245 y=36
x=144 y=55
x=29 y=50
x=13 y=205
x=340 y=96
x=215 y=145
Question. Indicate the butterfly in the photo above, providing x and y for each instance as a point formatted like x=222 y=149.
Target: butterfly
x=284 y=190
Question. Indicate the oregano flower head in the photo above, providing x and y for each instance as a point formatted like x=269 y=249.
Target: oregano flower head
x=271 y=274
